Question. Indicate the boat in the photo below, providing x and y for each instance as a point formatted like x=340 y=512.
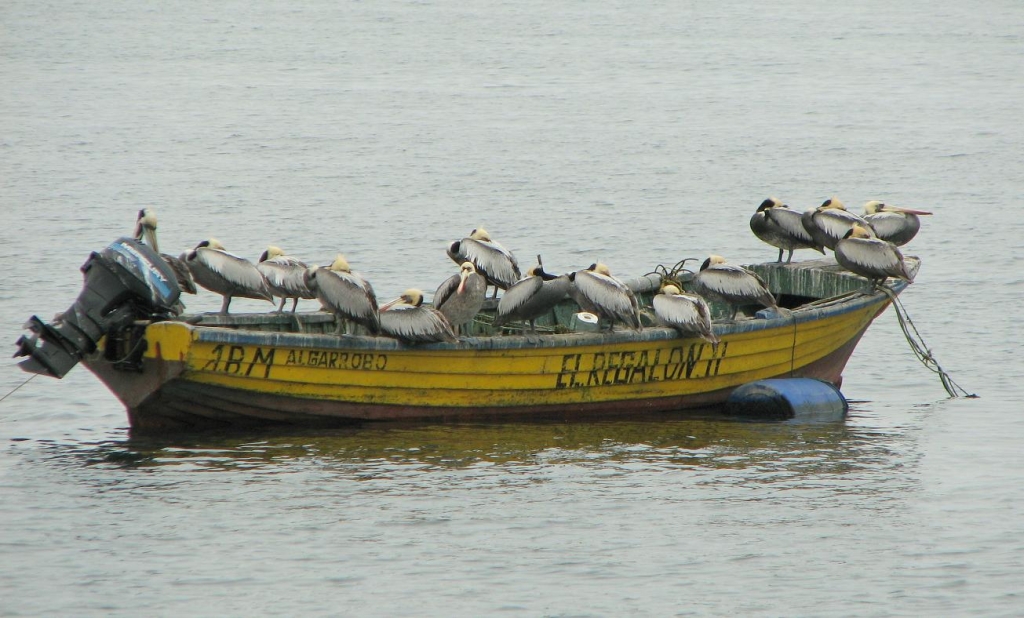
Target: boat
x=175 y=371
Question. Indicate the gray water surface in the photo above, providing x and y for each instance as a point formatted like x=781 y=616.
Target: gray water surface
x=637 y=134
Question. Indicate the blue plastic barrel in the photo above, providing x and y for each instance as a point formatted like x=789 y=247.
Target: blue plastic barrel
x=788 y=398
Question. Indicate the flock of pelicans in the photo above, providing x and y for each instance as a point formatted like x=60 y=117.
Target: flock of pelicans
x=867 y=246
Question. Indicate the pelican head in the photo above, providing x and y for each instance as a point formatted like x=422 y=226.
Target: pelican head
x=770 y=203
x=874 y=207
x=466 y=271
x=145 y=228
x=712 y=260
x=271 y=253
x=832 y=203
x=480 y=234
x=411 y=297
x=600 y=268
x=858 y=231
x=669 y=289
x=340 y=264
x=211 y=243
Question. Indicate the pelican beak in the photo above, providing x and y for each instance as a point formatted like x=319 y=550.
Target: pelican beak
x=908 y=211
x=389 y=304
x=150 y=234
x=462 y=282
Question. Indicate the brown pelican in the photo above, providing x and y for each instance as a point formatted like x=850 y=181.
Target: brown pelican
x=407 y=319
x=897 y=225
x=460 y=297
x=494 y=262
x=226 y=274
x=286 y=276
x=598 y=292
x=777 y=225
x=145 y=230
x=345 y=294
x=831 y=221
x=687 y=313
x=872 y=258
x=732 y=284
x=532 y=297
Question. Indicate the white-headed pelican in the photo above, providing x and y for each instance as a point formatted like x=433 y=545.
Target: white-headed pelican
x=598 y=292
x=346 y=294
x=777 y=225
x=493 y=261
x=687 y=313
x=145 y=231
x=532 y=296
x=831 y=221
x=897 y=225
x=226 y=274
x=407 y=319
x=731 y=284
x=869 y=257
x=460 y=297
x=286 y=276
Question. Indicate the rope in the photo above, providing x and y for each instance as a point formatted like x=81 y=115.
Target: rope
x=27 y=380
x=920 y=349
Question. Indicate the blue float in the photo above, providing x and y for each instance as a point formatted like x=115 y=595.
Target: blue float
x=788 y=398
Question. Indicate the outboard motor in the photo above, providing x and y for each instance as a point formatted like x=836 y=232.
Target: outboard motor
x=125 y=282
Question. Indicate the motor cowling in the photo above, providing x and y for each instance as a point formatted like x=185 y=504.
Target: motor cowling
x=124 y=282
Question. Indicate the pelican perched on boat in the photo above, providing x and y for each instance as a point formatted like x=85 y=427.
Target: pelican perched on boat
x=869 y=257
x=897 y=225
x=598 y=292
x=687 y=313
x=732 y=284
x=345 y=294
x=145 y=230
x=532 y=296
x=460 y=297
x=226 y=274
x=496 y=263
x=780 y=227
x=831 y=221
x=407 y=319
x=286 y=276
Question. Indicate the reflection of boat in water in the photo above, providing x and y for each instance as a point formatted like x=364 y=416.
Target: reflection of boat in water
x=185 y=372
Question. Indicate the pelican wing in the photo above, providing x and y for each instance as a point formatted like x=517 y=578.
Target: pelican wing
x=789 y=222
x=445 y=291
x=609 y=296
x=181 y=273
x=733 y=282
x=836 y=223
x=348 y=294
x=286 y=277
x=237 y=271
x=518 y=295
x=416 y=325
x=685 y=312
x=872 y=257
x=893 y=226
x=492 y=260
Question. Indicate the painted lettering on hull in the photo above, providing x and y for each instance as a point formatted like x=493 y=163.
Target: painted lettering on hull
x=257 y=360
x=697 y=360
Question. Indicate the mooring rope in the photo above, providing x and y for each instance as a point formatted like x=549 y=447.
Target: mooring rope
x=920 y=349
x=11 y=392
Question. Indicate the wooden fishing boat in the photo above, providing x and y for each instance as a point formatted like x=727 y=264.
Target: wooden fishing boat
x=209 y=371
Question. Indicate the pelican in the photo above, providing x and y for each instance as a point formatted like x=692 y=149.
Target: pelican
x=777 y=225
x=687 y=313
x=494 y=262
x=345 y=293
x=286 y=276
x=897 y=225
x=226 y=274
x=460 y=297
x=407 y=319
x=145 y=230
x=872 y=258
x=831 y=221
x=532 y=297
x=732 y=284
x=597 y=291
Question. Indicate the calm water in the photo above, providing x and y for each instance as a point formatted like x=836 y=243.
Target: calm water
x=637 y=135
